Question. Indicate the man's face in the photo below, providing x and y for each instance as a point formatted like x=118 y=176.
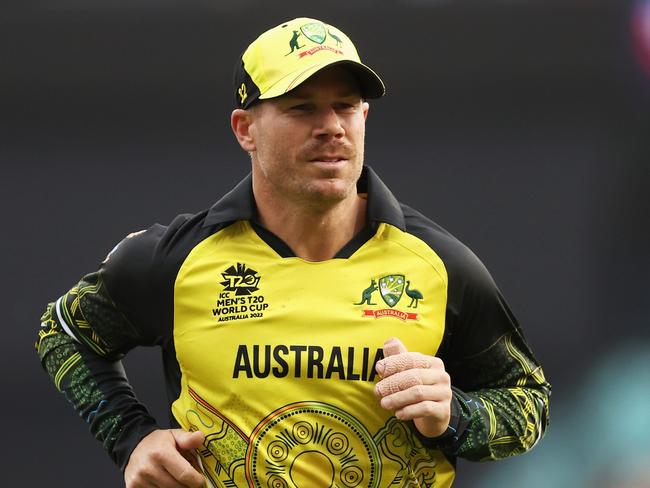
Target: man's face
x=308 y=144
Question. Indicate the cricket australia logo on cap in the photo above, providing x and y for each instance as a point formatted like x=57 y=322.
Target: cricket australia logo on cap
x=314 y=31
x=317 y=33
x=391 y=289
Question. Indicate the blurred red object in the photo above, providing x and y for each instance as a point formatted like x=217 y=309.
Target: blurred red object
x=640 y=30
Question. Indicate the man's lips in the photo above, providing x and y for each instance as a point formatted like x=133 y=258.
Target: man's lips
x=327 y=159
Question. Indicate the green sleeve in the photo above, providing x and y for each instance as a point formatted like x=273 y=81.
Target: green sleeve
x=80 y=343
x=504 y=412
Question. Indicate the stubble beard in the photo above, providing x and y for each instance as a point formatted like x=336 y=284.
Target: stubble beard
x=331 y=185
x=320 y=191
x=330 y=188
x=283 y=171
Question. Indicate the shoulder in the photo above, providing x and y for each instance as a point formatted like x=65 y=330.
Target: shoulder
x=477 y=313
x=138 y=248
x=147 y=261
x=460 y=261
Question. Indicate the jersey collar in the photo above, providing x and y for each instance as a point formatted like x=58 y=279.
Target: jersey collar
x=239 y=204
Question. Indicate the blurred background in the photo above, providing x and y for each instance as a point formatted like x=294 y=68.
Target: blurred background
x=523 y=127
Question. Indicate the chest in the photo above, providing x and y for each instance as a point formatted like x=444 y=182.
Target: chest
x=266 y=314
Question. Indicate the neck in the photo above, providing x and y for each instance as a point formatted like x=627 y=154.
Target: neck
x=313 y=233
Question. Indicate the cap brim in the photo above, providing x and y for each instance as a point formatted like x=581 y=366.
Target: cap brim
x=370 y=83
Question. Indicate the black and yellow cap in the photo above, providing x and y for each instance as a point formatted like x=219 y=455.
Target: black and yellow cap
x=285 y=56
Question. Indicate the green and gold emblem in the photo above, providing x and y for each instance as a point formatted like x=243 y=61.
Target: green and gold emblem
x=314 y=31
x=391 y=288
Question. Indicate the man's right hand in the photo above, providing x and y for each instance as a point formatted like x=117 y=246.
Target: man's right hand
x=165 y=459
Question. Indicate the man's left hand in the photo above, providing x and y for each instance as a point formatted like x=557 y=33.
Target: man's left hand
x=416 y=386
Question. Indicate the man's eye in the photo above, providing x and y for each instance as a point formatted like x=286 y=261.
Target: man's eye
x=302 y=107
x=345 y=107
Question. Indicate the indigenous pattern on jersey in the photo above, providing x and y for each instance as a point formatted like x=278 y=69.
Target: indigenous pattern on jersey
x=273 y=357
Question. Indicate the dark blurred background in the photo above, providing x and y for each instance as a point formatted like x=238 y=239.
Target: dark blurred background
x=522 y=127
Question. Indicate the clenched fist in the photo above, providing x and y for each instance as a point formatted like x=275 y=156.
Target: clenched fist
x=416 y=387
x=165 y=459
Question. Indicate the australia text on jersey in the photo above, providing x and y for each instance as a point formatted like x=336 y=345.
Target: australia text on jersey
x=303 y=361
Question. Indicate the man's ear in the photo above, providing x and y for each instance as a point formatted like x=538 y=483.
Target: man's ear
x=240 y=121
x=365 y=106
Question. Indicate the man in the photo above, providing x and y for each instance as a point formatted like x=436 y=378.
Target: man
x=315 y=332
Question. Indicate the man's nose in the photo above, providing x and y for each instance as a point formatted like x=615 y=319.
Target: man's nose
x=328 y=124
